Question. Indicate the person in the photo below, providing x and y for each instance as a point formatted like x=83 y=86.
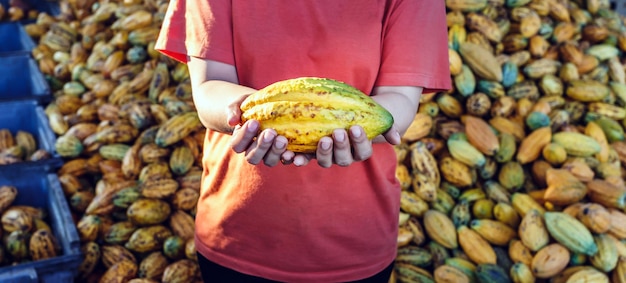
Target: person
x=266 y=214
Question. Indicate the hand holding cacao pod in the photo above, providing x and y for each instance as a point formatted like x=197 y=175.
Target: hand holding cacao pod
x=306 y=109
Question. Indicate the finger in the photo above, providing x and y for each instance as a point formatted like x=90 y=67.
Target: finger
x=301 y=160
x=324 y=153
x=342 y=151
x=257 y=153
x=273 y=157
x=361 y=146
x=233 y=116
x=287 y=157
x=233 y=112
x=393 y=136
x=243 y=136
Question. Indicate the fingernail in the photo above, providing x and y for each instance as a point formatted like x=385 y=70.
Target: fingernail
x=356 y=132
x=268 y=137
x=279 y=144
x=253 y=127
x=325 y=145
x=339 y=136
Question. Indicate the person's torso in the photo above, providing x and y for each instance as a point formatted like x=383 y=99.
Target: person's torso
x=310 y=222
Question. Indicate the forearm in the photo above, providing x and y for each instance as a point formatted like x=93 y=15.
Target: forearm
x=215 y=89
x=401 y=102
x=212 y=99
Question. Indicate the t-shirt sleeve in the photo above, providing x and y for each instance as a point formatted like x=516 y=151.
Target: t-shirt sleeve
x=415 y=47
x=198 y=28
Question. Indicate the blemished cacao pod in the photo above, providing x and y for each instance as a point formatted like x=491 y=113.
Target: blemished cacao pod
x=306 y=109
x=183 y=270
x=121 y=271
x=112 y=254
x=42 y=245
x=153 y=265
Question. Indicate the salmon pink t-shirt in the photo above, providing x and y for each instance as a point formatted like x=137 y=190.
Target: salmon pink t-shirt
x=306 y=224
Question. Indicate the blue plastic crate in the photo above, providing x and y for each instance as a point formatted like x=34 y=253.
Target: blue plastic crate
x=15 y=40
x=27 y=115
x=41 y=189
x=619 y=6
x=21 y=79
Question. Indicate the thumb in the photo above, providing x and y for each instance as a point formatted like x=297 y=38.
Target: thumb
x=233 y=116
x=233 y=112
x=393 y=136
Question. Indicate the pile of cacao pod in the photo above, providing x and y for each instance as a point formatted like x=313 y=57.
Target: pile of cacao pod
x=26 y=234
x=20 y=147
x=130 y=137
x=18 y=10
x=517 y=174
x=514 y=175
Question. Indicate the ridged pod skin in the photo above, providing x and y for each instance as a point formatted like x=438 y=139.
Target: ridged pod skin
x=423 y=162
x=480 y=135
x=7 y=196
x=577 y=144
x=148 y=211
x=177 y=128
x=619 y=273
x=492 y=273
x=518 y=252
x=440 y=228
x=91 y=257
x=481 y=61
x=550 y=260
x=606 y=194
x=607 y=257
x=120 y=272
x=456 y=172
x=563 y=187
x=112 y=254
x=306 y=109
x=521 y=273
x=570 y=232
x=466 y=5
x=475 y=246
x=462 y=264
x=495 y=232
x=414 y=255
x=618 y=223
x=530 y=148
x=420 y=127
x=532 y=231
x=153 y=266
x=183 y=270
x=466 y=153
x=595 y=217
x=446 y=273
x=412 y=204
x=42 y=245
x=148 y=239
x=455 y=62
x=506 y=214
x=587 y=275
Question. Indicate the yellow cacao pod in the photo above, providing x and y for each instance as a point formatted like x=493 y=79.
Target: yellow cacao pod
x=307 y=109
x=481 y=61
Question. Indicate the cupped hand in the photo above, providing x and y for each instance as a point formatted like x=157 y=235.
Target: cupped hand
x=344 y=147
x=266 y=146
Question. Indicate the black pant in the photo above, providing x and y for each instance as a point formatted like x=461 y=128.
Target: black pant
x=214 y=273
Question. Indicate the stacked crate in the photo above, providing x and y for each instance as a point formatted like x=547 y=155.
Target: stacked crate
x=24 y=93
